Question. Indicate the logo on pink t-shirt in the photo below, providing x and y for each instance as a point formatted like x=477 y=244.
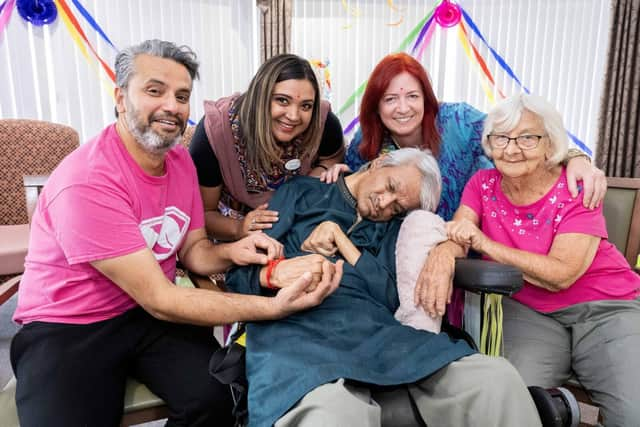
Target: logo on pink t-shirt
x=163 y=234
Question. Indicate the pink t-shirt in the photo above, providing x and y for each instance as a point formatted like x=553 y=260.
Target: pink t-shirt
x=533 y=227
x=99 y=204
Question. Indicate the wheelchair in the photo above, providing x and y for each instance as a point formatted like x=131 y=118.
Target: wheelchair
x=557 y=407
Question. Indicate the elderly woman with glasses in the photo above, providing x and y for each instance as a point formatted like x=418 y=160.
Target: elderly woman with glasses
x=579 y=310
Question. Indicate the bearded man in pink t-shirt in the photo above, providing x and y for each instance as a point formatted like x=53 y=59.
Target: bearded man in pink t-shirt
x=579 y=310
x=97 y=299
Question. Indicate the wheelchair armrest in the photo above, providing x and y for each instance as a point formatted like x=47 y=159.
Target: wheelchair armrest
x=478 y=275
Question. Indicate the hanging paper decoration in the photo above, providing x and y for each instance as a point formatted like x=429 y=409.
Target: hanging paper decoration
x=5 y=13
x=37 y=12
x=323 y=76
x=447 y=14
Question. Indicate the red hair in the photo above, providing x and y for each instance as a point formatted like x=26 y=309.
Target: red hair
x=370 y=122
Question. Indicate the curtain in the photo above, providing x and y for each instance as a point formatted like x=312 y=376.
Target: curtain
x=618 y=152
x=275 y=27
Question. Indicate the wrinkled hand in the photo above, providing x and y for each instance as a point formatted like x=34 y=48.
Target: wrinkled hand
x=435 y=281
x=258 y=219
x=593 y=179
x=322 y=239
x=287 y=271
x=298 y=296
x=466 y=233
x=331 y=175
x=251 y=249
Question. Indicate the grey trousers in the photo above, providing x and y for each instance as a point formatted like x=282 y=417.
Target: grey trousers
x=476 y=390
x=598 y=341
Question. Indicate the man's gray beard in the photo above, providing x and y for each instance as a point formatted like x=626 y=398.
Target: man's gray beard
x=149 y=140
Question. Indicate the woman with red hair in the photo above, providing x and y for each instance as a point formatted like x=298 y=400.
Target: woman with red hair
x=399 y=109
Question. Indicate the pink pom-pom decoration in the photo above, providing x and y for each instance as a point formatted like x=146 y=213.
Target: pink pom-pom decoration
x=447 y=14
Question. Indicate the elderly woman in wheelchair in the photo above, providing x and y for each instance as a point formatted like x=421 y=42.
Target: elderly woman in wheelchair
x=579 y=311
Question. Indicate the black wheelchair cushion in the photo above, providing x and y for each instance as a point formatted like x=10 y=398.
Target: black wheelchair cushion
x=477 y=275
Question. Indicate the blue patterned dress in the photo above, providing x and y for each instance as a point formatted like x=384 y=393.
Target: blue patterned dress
x=461 y=153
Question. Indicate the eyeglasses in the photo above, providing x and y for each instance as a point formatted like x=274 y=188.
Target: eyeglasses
x=524 y=142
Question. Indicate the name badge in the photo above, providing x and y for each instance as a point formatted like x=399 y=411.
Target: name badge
x=292 y=164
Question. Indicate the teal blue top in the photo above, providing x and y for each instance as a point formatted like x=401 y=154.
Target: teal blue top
x=461 y=153
x=353 y=333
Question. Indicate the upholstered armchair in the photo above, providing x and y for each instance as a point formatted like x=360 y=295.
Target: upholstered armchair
x=27 y=147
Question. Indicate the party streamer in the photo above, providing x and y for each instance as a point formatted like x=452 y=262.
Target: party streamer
x=427 y=39
x=5 y=13
x=92 y=22
x=480 y=60
x=498 y=58
x=77 y=33
x=349 y=102
x=467 y=50
x=423 y=31
x=83 y=50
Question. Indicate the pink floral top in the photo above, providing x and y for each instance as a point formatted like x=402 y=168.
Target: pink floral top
x=534 y=227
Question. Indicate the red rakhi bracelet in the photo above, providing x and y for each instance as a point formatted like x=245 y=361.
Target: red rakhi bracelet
x=271 y=265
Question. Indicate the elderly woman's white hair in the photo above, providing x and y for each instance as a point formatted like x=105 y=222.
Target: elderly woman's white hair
x=505 y=116
x=427 y=165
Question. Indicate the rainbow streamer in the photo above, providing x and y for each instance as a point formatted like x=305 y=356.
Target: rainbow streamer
x=5 y=13
x=579 y=143
x=79 y=36
x=427 y=39
x=467 y=50
x=426 y=23
x=495 y=54
x=67 y=20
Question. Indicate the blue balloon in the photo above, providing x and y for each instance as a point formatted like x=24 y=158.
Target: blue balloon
x=37 y=12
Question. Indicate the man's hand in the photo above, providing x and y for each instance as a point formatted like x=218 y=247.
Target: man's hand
x=251 y=249
x=435 y=282
x=593 y=181
x=298 y=297
x=331 y=175
x=322 y=239
x=287 y=272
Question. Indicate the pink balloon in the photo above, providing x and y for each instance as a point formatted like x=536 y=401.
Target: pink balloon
x=447 y=14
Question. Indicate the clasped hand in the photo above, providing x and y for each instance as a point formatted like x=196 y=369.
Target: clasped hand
x=466 y=233
x=289 y=270
x=323 y=239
